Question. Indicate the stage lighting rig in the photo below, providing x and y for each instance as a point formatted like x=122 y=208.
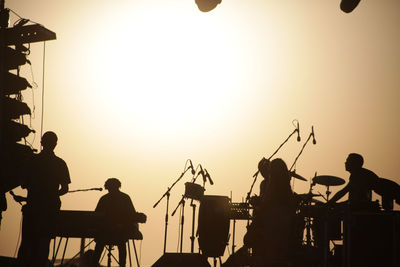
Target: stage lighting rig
x=207 y=5
x=348 y=6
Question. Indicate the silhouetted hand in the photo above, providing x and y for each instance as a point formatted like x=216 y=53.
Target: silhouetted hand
x=141 y=217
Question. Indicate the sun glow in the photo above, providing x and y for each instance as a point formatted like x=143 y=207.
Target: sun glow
x=170 y=70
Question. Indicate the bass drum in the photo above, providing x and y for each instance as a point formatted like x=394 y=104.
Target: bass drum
x=213 y=225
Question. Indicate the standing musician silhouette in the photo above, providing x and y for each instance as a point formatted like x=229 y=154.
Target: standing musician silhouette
x=46 y=178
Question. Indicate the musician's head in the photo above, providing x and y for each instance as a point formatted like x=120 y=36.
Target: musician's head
x=49 y=140
x=279 y=170
x=354 y=162
x=264 y=167
x=112 y=184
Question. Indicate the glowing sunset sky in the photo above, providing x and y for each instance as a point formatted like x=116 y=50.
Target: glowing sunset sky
x=135 y=88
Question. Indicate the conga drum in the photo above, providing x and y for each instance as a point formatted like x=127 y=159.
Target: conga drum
x=213 y=225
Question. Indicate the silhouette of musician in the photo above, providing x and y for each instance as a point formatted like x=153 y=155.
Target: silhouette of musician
x=270 y=234
x=264 y=169
x=121 y=218
x=264 y=166
x=361 y=183
x=46 y=179
x=389 y=191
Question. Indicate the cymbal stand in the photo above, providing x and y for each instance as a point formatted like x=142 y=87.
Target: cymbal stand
x=167 y=194
x=273 y=154
x=327 y=193
x=308 y=218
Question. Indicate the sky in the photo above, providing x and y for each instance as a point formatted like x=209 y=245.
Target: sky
x=135 y=88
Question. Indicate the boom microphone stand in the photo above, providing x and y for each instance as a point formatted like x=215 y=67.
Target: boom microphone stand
x=301 y=151
x=167 y=194
x=182 y=202
x=276 y=151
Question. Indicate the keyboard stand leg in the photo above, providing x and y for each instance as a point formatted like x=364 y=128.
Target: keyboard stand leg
x=134 y=248
x=55 y=251
x=65 y=249
x=129 y=253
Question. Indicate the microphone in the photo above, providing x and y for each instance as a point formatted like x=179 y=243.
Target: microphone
x=298 y=131
x=313 y=135
x=209 y=178
x=191 y=166
x=97 y=188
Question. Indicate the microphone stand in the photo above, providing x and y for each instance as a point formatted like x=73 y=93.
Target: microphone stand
x=83 y=190
x=301 y=151
x=193 y=205
x=167 y=194
x=276 y=151
x=182 y=202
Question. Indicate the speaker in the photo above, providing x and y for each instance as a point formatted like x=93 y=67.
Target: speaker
x=182 y=260
x=372 y=239
x=8 y=262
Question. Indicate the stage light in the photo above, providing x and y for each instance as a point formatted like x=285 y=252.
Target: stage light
x=207 y=5
x=348 y=6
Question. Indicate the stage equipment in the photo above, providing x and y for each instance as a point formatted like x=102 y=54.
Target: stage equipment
x=255 y=175
x=167 y=194
x=302 y=149
x=348 y=6
x=207 y=5
x=13 y=130
x=328 y=180
x=193 y=191
x=372 y=239
x=182 y=260
x=89 y=224
x=213 y=225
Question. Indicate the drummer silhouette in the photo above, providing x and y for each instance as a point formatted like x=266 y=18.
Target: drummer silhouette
x=361 y=183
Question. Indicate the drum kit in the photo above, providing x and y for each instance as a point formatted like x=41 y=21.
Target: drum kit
x=317 y=223
x=216 y=212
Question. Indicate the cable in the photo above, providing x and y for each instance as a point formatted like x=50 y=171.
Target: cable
x=15 y=14
x=44 y=61
x=34 y=86
x=20 y=18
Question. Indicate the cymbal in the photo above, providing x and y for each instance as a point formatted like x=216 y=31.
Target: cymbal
x=328 y=180
x=297 y=176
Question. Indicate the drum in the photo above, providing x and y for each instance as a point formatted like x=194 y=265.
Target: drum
x=194 y=191
x=213 y=225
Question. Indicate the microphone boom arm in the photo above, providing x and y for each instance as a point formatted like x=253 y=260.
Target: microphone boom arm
x=301 y=151
x=273 y=154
